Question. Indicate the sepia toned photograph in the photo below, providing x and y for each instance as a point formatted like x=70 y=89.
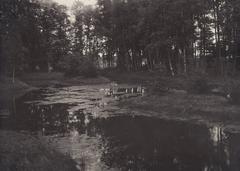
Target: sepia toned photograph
x=119 y=85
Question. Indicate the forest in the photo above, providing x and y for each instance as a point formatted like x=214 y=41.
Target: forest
x=179 y=36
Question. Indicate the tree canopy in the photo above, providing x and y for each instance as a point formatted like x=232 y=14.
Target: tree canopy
x=180 y=36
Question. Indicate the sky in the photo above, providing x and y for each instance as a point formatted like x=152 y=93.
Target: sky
x=69 y=3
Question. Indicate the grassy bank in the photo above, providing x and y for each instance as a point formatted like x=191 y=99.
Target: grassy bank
x=192 y=97
x=58 y=79
x=10 y=91
x=23 y=152
x=8 y=87
x=180 y=105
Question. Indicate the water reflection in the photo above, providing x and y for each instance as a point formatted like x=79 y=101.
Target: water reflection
x=152 y=144
x=68 y=116
x=124 y=91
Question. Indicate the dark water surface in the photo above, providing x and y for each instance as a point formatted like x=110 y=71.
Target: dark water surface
x=85 y=123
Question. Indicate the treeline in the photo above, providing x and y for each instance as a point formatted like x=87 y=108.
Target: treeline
x=180 y=36
x=33 y=36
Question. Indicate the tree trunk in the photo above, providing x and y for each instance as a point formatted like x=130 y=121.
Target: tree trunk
x=217 y=37
x=13 y=74
x=170 y=64
x=184 y=60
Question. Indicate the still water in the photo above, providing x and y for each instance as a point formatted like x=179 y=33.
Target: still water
x=85 y=123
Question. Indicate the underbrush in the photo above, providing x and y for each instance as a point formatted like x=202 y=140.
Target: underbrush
x=199 y=86
x=75 y=65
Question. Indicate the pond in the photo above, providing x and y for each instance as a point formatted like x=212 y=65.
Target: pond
x=85 y=123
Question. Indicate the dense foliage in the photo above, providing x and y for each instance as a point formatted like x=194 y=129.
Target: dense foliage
x=180 y=36
x=33 y=35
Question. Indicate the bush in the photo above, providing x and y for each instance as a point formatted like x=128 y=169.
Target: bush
x=87 y=69
x=80 y=66
x=200 y=86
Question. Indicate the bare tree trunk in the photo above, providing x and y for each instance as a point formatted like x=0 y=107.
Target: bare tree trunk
x=170 y=64
x=184 y=60
x=13 y=74
x=234 y=49
x=217 y=37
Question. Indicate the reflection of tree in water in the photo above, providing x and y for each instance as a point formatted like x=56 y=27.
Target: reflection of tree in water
x=151 y=144
x=226 y=147
x=48 y=119
x=118 y=91
x=232 y=151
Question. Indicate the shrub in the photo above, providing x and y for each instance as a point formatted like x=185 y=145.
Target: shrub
x=87 y=68
x=72 y=67
x=76 y=66
x=200 y=86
